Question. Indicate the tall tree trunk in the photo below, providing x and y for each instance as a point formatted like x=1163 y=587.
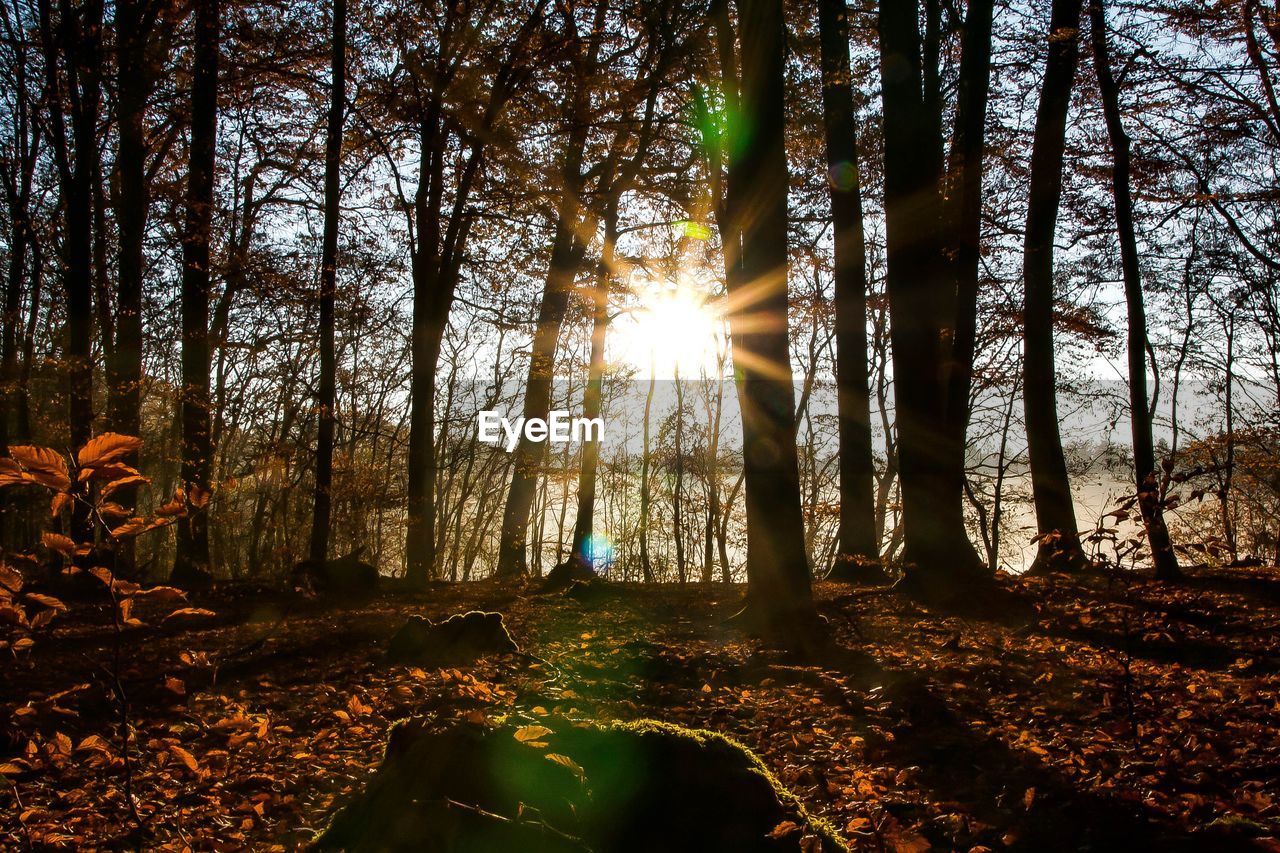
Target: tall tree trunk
x=429 y=322
x=192 y=561
x=78 y=41
x=528 y=457
x=567 y=250
x=922 y=297
x=1144 y=457
x=677 y=489
x=584 y=521
x=83 y=61
x=18 y=188
x=856 y=535
x=779 y=599
x=327 y=392
x=436 y=260
x=963 y=226
x=646 y=567
x=136 y=73
x=1059 y=547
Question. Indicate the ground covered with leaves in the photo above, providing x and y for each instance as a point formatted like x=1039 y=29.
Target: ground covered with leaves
x=1102 y=714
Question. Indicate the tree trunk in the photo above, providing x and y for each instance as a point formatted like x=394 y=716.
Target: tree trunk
x=779 y=600
x=137 y=73
x=921 y=287
x=645 y=566
x=18 y=188
x=1144 y=458
x=677 y=489
x=963 y=226
x=856 y=533
x=567 y=250
x=327 y=392
x=78 y=41
x=1059 y=548
x=192 y=561
x=584 y=521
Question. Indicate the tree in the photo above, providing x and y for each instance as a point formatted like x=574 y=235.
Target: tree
x=1144 y=458
x=584 y=520
x=856 y=536
x=440 y=230
x=1059 y=543
x=142 y=35
x=779 y=599
x=659 y=54
x=77 y=39
x=327 y=392
x=932 y=298
x=574 y=221
x=192 y=561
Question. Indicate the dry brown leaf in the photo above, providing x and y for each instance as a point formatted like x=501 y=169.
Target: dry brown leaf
x=532 y=735
x=186 y=758
x=46 y=467
x=58 y=542
x=107 y=447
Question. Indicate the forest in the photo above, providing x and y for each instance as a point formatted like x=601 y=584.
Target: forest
x=596 y=426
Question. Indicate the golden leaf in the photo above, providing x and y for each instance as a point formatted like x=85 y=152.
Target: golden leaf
x=567 y=762
x=58 y=542
x=532 y=735
x=186 y=758
x=46 y=467
x=107 y=447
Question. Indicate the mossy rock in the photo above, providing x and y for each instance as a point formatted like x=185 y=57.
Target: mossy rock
x=618 y=788
x=459 y=639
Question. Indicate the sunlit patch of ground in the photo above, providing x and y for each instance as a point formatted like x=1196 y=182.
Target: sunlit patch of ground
x=1120 y=709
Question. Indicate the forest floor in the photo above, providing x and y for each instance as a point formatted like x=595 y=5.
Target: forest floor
x=1129 y=715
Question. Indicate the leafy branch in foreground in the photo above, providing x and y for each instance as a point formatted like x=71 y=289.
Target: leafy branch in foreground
x=88 y=481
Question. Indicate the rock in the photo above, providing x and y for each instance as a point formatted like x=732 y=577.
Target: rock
x=459 y=639
x=342 y=575
x=619 y=788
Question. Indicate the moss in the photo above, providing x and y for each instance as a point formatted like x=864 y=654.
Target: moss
x=821 y=826
x=607 y=788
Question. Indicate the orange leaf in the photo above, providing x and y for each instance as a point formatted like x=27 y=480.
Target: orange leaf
x=107 y=447
x=95 y=743
x=10 y=578
x=130 y=528
x=46 y=467
x=110 y=488
x=113 y=510
x=198 y=495
x=109 y=471
x=60 y=501
x=188 y=612
x=46 y=601
x=161 y=593
x=186 y=758
x=532 y=735
x=58 y=542
x=176 y=506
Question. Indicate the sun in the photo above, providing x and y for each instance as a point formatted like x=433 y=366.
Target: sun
x=675 y=329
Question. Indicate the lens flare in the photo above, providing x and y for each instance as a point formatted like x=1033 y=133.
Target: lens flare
x=674 y=331
x=600 y=549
